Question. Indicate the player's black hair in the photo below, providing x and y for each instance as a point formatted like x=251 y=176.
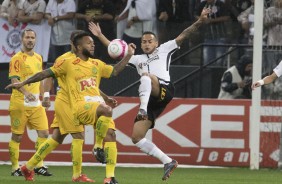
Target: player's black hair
x=27 y=30
x=151 y=33
x=77 y=38
x=74 y=33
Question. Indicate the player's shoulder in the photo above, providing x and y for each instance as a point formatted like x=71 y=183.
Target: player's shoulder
x=67 y=55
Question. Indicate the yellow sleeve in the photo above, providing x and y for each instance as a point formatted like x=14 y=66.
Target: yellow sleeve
x=60 y=67
x=107 y=70
x=15 y=68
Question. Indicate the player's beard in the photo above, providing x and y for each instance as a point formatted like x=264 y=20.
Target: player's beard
x=87 y=53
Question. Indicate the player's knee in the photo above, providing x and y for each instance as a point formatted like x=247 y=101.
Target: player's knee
x=43 y=133
x=106 y=110
x=17 y=137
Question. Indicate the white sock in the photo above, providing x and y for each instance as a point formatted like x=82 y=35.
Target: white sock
x=145 y=91
x=151 y=149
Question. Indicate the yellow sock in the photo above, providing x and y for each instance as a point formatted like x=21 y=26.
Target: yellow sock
x=101 y=129
x=44 y=149
x=111 y=157
x=39 y=141
x=76 y=154
x=14 y=150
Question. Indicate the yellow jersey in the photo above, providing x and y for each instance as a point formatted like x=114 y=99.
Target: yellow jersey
x=82 y=78
x=23 y=66
x=62 y=93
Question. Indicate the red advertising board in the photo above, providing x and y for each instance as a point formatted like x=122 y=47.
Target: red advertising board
x=193 y=131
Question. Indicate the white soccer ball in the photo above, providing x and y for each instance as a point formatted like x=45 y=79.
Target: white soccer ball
x=117 y=49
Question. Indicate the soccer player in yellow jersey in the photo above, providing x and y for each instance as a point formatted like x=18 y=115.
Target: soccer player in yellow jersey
x=63 y=122
x=25 y=107
x=83 y=75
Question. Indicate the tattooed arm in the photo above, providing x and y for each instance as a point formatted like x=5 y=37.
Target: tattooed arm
x=191 y=29
x=35 y=78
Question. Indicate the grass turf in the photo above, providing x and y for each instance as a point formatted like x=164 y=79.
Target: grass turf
x=62 y=174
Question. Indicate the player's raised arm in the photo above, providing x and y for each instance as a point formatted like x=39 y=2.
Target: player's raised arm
x=96 y=31
x=121 y=65
x=194 y=27
x=35 y=78
x=266 y=80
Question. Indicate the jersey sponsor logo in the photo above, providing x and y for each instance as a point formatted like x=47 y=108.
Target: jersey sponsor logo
x=141 y=65
x=87 y=83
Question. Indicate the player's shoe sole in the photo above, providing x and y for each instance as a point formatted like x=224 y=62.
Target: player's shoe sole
x=169 y=168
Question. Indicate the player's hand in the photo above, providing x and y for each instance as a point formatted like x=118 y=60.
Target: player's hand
x=255 y=85
x=29 y=97
x=205 y=13
x=16 y=85
x=95 y=29
x=163 y=16
x=111 y=102
x=46 y=102
x=131 y=49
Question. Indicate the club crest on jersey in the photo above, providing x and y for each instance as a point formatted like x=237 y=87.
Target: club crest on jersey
x=16 y=122
x=94 y=71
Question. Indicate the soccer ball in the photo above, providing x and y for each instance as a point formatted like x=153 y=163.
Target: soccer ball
x=117 y=49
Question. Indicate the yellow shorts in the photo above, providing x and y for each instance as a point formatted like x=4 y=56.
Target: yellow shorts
x=33 y=118
x=87 y=115
x=64 y=119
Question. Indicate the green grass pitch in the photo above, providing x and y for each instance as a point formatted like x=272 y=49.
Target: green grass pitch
x=125 y=175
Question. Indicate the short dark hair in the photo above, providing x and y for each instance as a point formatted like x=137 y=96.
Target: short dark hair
x=149 y=32
x=77 y=37
x=74 y=33
x=27 y=30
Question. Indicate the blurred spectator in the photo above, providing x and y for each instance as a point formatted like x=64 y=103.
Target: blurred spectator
x=60 y=15
x=173 y=11
x=103 y=12
x=237 y=6
x=246 y=18
x=10 y=10
x=31 y=11
x=273 y=54
x=139 y=16
x=173 y=16
x=236 y=81
x=215 y=30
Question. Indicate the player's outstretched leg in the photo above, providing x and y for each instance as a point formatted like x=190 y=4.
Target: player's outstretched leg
x=40 y=169
x=144 y=95
x=169 y=168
